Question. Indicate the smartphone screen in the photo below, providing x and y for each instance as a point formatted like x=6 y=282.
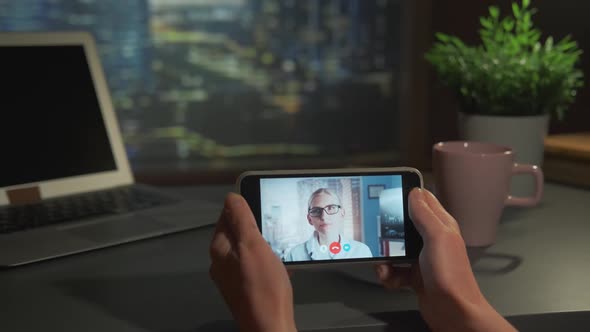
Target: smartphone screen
x=311 y=218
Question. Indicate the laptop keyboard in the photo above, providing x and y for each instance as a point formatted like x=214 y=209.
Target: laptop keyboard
x=77 y=207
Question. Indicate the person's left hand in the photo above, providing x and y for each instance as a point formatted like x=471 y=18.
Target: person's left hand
x=251 y=278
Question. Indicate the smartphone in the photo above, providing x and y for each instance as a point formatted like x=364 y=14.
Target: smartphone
x=315 y=217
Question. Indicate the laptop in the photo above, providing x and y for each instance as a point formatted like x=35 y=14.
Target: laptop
x=65 y=182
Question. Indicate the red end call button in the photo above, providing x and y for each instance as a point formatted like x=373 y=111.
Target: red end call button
x=335 y=247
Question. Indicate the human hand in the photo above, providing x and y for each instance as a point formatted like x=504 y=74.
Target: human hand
x=251 y=278
x=448 y=294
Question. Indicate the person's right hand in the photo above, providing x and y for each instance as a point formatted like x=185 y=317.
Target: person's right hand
x=448 y=294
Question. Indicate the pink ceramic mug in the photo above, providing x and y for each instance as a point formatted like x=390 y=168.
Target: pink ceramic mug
x=472 y=181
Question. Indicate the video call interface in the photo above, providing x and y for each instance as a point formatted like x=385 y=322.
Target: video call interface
x=329 y=218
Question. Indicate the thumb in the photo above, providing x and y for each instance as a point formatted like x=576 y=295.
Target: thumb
x=425 y=220
x=240 y=220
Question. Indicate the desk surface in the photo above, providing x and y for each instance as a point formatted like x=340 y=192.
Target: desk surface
x=539 y=265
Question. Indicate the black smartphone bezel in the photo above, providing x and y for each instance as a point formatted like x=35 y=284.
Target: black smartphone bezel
x=249 y=188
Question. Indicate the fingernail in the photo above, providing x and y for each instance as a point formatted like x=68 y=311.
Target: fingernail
x=417 y=194
x=230 y=200
x=420 y=193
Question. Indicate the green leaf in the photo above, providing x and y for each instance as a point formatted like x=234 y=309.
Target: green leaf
x=494 y=12
x=457 y=42
x=442 y=37
x=486 y=23
x=508 y=24
x=549 y=44
x=533 y=36
x=526 y=21
x=515 y=10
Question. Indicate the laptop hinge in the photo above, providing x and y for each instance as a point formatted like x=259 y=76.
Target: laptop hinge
x=24 y=195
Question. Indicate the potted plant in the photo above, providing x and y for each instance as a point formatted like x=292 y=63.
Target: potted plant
x=512 y=83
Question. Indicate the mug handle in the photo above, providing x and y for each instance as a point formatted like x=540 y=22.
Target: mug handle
x=532 y=200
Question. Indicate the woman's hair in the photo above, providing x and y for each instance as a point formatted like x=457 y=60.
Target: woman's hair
x=322 y=191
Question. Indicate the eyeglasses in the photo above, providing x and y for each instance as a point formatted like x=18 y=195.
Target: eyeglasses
x=329 y=209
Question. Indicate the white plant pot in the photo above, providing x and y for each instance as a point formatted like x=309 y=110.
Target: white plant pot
x=524 y=134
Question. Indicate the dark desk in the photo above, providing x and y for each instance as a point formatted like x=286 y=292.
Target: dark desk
x=540 y=265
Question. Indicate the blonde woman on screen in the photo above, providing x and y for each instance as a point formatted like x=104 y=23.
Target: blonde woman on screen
x=326 y=214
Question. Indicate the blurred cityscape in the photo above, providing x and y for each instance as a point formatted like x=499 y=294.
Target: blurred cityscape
x=228 y=79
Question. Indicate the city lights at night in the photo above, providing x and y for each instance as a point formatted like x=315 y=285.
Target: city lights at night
x=211 y=79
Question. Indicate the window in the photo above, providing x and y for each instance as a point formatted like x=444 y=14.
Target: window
x=213 y=85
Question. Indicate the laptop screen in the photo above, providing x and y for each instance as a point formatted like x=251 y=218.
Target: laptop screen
x=51 y=124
